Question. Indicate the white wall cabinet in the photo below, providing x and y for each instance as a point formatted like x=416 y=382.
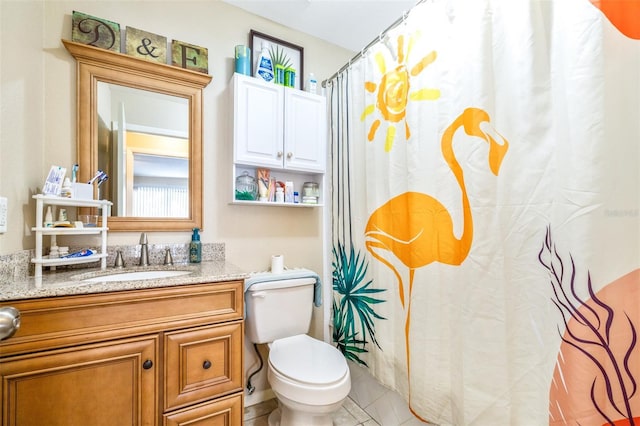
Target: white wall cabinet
x=305 y=131
x=278 y=127
x=258 y=117
x=41 y=201
x=281 y=129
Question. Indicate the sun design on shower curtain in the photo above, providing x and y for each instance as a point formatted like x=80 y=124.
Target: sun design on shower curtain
x=595 y=381
x=393 y=91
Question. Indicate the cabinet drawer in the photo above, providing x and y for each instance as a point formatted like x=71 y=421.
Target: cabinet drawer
x=70 y=320
x=202 y=363
x=222 y=412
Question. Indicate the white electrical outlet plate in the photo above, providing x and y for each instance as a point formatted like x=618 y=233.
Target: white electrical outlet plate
x=3 y=214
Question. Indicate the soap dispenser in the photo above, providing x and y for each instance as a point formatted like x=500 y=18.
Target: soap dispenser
x=195 y=248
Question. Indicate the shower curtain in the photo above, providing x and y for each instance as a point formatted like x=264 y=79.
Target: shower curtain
x=485 y=204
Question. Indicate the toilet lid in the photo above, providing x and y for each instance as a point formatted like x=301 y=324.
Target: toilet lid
x=305 y=359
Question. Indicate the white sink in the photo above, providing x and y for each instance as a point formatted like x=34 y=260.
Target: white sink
x=138 y=275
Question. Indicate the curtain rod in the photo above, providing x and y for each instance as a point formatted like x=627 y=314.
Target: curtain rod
x=374 y=41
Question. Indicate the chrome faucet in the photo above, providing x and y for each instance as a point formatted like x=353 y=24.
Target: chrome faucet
x=144 y=250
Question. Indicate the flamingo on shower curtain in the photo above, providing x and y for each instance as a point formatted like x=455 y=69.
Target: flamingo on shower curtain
x=488 y=328
x=418 y=230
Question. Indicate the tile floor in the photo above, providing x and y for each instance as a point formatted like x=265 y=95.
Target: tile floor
x=369 y=404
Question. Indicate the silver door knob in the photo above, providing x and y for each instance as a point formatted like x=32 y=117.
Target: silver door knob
x=289 y=154
x=9 y=321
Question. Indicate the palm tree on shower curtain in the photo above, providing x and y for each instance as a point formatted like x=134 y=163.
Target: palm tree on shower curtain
x=353 y=313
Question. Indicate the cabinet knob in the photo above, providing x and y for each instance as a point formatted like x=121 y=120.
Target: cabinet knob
x=9 y=321
x=147 y=364
x=280 y=154
x=289 y=155
x=206 y=365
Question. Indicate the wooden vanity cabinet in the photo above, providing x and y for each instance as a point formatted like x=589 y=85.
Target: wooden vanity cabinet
x=93 y=384
x=163 y=356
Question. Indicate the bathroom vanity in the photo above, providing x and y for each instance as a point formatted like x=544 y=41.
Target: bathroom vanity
x=166 y=352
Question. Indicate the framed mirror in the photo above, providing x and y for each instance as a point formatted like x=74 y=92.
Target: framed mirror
x=141 y=123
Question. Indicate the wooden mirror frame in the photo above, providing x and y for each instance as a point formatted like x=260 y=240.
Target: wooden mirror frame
x=94 y=65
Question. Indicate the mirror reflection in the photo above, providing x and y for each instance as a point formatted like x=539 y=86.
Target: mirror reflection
x=143 y=145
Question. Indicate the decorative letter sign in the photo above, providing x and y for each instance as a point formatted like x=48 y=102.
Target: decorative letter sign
x=189 y=56
x=96 y=32
x=145 y=45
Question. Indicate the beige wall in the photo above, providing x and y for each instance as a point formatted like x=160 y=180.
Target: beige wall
x=37 y=123
x=38 y=119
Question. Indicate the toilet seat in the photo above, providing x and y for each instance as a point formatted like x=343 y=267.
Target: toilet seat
x=307 y=360
x=308 y=371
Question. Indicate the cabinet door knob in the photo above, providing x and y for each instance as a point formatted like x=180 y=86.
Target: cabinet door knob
x=280 y=154
x=289 y=154
x=206 y=365
x=9 y=321
x=147 y=364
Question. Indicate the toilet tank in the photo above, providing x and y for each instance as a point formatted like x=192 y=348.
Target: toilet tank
x=277 y=309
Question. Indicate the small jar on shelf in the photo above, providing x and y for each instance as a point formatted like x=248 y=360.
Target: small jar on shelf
x=310 y=193
x=246 y=187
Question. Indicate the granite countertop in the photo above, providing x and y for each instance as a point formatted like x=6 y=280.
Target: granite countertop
x=72 y=282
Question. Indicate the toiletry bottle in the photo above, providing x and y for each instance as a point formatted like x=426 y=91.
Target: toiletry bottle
x=66 y=190
x=48 y=218
x=279 y=195
x=288 y=191
x=264 y=67
x=195 y=248
x=312 y=84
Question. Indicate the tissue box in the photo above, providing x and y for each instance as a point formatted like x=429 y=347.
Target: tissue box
x=82 y=191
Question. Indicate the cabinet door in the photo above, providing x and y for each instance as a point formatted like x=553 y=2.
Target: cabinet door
x=258 y=122
x=202 y=363
x=221 y=412
x=305 y=131
x=90 y=385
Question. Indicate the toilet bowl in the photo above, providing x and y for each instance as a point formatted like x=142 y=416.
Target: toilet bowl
x=310 y=378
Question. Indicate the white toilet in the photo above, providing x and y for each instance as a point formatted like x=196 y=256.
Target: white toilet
x=309 y=377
